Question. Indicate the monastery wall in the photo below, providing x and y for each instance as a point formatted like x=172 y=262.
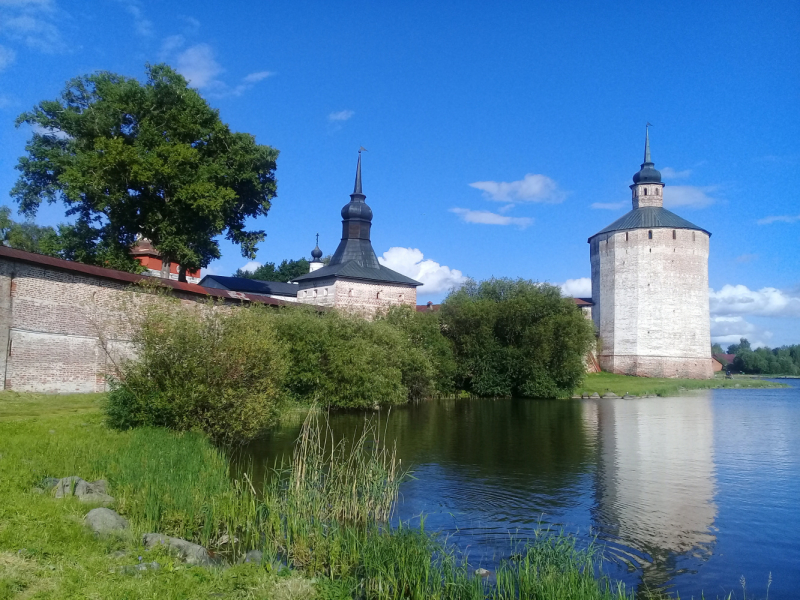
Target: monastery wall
x=62 y=331
x=357 y=296
x=651 y=302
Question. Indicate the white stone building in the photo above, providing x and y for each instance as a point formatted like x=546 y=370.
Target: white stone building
x=650 y=288
x=354 y=279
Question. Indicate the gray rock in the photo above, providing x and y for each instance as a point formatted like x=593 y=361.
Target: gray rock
x=105 y=520
x=482 y=572
x=254 y=556
x=630 y=397
x=610 y=395
x=38 y=490
x=595 y=395
x=136 y=569
x=118 y=554
x=48 y=483
x=193 y=554
x=90 y=493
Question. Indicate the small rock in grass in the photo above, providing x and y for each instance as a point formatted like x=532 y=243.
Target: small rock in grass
x=105 y=520
x=595 y=395
x=135 y=569
x=52 y=431
x=254 y=556
x=37 y=490
x=48 y=483
x=118 y=554
x=482 y=572
x=610 y=395
x=193 y=554
x=90 y=493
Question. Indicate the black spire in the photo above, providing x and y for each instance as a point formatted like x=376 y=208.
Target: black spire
x=356 y=225
x=647 y=173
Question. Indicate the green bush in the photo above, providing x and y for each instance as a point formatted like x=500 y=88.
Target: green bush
x=516 y=338
x=215 y=369
x=341 y=360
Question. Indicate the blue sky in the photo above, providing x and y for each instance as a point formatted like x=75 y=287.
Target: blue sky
x=500 y=135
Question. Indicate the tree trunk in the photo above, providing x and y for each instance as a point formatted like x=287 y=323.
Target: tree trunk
x=182 y=273
x=166 y=265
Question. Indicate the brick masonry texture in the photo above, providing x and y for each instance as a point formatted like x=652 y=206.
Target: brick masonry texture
x=61 y=331
x=651 y=302
x=356 y=296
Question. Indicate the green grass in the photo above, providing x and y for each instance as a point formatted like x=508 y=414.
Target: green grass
x=323 y=514
x=661 y=386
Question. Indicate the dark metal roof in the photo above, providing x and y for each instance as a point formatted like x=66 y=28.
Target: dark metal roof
x=649 y=217
x=253 y=286
x=647 y=173
x=353 y=270
x=125 y=277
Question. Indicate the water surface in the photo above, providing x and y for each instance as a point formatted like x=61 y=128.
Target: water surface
x=684 y=494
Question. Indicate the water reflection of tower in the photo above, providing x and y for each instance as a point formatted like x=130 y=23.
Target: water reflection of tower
x=655 y=481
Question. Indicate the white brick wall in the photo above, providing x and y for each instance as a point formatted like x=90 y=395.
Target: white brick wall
x=651 y=302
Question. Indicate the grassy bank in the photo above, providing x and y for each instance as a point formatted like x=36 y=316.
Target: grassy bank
x=661 y=386
x=322 y=518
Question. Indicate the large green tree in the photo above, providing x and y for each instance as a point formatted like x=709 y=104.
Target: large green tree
x=146 y=159
x=516 y=338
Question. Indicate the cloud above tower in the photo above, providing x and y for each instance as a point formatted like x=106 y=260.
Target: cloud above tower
x=531 y=188
x=411 y=262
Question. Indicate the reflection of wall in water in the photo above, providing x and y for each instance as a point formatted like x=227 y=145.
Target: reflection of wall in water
x=656 y=474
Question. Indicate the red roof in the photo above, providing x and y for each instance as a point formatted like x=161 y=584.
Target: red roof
x=123 y=276
x=725 y=359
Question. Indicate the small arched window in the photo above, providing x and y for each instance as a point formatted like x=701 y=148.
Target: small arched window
x=674 y=235
x=645 y=191
x=650 y=235
x=658 y=192
x=626 y=236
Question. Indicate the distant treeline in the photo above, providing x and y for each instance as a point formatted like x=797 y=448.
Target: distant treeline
x=230 y=372
x=765 y=361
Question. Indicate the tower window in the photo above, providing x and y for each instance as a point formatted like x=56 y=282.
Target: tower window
x=650 y=235
x=674 y=235
x=645 y=191
x=693 y=236
x=658 y=192
x=626 y=236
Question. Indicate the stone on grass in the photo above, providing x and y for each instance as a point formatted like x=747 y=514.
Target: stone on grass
x=48 y=483
x=136 y=569
x=595 y=395
x=105 y=520
x=193 y=554
x=482 y=572
x=630 y=397
x=37 y=490
x=90 y=493
x=254 y=556
x=610 y=395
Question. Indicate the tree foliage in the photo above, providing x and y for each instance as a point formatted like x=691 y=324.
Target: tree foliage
x=28 y=235
x=153 y=160
x=516 y=338
x=286 y=271
x=766 y=361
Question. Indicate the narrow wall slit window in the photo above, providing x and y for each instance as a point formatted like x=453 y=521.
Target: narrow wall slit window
x=674 y=235
x=645 y=191
x=650 y=235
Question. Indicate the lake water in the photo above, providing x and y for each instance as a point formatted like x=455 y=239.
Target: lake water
x=685 y=494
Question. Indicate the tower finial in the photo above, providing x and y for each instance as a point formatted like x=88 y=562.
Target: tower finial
x=647 y=142
x=357 y=187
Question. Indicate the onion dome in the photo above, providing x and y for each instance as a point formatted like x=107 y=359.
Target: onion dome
x=316 y=253
x=648 y=172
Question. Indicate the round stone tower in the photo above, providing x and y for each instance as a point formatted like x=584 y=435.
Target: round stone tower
x=650 y=287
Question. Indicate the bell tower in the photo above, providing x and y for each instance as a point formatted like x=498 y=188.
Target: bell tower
x=647 y=189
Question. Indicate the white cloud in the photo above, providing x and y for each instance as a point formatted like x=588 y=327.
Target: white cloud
x=611 y=205
x=729 y=330
x=740 y=300
x=779 y=219
x=577 y=288
x=410 y=262
x=258 y=76
x=688 y=195
x=170 y=45
x=142 y=25
x=486 y=217
x=31 y=22
x=531 y=188
x=251 y=265
x=342 y=115
x=670 y=173
x=198 y=65
x=7 y=56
